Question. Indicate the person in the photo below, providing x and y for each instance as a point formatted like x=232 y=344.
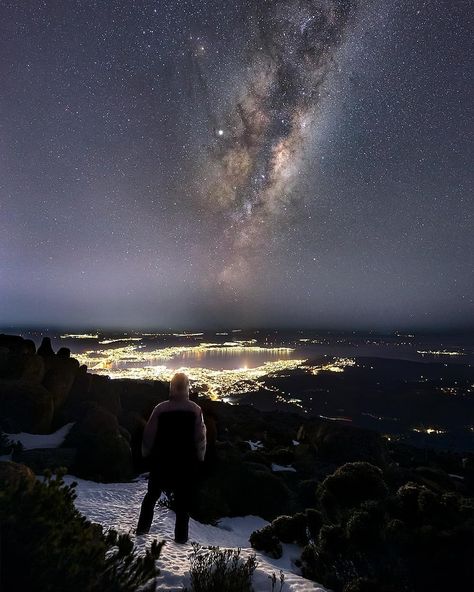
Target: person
x=175 y=442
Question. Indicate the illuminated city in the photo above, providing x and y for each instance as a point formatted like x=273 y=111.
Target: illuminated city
x=136 y=362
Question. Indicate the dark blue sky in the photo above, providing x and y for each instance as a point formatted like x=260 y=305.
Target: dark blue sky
x=206 y=163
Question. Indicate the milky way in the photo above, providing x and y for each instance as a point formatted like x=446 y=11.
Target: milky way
x=265 y=133
x=206 y=163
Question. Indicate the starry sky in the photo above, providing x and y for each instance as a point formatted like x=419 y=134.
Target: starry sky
x=206 y=163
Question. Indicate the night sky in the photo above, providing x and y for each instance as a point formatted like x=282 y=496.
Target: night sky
x=207 y=163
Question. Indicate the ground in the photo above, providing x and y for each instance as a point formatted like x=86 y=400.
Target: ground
x=117 y=505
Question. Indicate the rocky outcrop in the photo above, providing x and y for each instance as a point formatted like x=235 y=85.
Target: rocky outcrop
x=25 y=407
x=40 y=459
x=103 y=452
x=60 y=374
x=16 y=476
x=45 y=349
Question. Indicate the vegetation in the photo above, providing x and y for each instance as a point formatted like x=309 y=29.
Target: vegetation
x=214 y=570
x=367 y=536
x=47 y=545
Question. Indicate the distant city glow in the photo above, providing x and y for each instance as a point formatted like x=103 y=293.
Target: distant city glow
x=79 y=336
x=134 y=361
x=429 y=431
x=107 y=341
x=442 y=352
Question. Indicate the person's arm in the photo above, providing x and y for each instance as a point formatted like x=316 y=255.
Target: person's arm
x=149 y=433
x=200 y=436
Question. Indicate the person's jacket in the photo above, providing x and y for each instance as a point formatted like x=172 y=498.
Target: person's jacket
x=175 y=433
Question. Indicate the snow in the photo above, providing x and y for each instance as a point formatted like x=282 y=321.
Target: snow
x=31 y=441
x=117 y=505
x=295 y=443
x=254 y=445
x=277 y=468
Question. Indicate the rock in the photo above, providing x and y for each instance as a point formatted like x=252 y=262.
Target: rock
x=13 y=343
x=106 y=392
x=94 y=420
x=103 y=453
x=16 y=365
x=40 y=459
x=64 y=352
x=16 y=475
x=138 y=397
x=45 y=349
x=18 y=360
x=29 y=346
x=25 y=407
x=59 y=377
x=104 y=457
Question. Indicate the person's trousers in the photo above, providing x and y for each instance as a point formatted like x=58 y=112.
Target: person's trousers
x=182 y=493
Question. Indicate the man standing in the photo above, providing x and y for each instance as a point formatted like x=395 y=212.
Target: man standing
x=175 y=441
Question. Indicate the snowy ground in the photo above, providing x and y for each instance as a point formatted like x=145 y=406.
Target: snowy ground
x=117 y=505
x=32 y=441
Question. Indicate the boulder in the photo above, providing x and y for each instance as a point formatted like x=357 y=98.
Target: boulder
x=93 y=420
x=40 y=459
x=64 y=352
x=103 y=453
x=16 y=365
x=59 y=377
x=12 y=342
x=46 y=349
x=16 y=475
x=25 y=407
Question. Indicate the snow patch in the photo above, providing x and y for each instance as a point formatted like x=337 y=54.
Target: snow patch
x=254 y=445
x=32 y=441
x=277 y=468
x=117 y=505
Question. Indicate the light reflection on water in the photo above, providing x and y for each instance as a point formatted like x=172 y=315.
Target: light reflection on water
x=221 y=370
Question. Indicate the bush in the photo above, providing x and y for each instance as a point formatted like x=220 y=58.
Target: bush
x=215 y=570
x=266 y=541
x=291 y=529
x=50 y=547
x=371 y=541
x=349 y=486
x=314 y=520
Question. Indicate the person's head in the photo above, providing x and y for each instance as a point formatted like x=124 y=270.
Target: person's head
x=179 y=386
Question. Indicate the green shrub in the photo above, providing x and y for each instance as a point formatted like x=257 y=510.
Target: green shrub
x=48 y=546
x=364 y=529
x=215 y=570
x=265 y=540
x=349 y=486
x=291 y=529
x=314 y=520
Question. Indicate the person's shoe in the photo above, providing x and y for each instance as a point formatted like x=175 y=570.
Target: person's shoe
x=180 y=540
x=140 y=531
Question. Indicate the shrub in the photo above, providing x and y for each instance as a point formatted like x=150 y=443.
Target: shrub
x=349 y=486
x=215 y=570
x=364 y=529
x=291 y=529
x=314 y=520
x=49 y=546
x=265 y=540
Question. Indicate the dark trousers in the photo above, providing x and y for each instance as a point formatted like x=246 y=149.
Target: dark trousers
x=182 y=492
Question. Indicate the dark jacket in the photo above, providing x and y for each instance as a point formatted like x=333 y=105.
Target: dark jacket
x=175 y=437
